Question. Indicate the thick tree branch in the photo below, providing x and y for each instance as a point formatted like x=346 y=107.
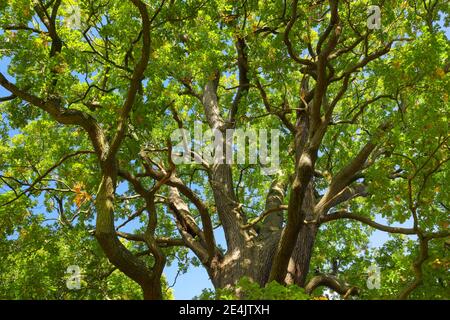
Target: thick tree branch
x=221 y=179
x=273 y=216
x=244 y=82
x=331 y=282
x=174 y=181
x=189 y=231
x=347 y=173
x=22 y=27
x=211 y=104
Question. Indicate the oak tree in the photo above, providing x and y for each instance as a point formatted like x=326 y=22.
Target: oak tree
x=89 y=103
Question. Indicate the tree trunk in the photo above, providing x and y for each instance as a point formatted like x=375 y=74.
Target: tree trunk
x=254 y=262
x=152 y=290
x=255 y=259
x=298 y=267
x=299 y=264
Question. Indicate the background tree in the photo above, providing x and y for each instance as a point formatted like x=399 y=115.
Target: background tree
x=363 y=114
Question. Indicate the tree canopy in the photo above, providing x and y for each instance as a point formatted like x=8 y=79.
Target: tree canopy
x=92 y=91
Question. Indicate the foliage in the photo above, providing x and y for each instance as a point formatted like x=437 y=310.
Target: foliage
x=36 y=259
x=249 y=290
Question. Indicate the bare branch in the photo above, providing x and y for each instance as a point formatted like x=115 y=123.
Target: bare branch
x=347 y=173
x=138 y=75
x=42 y=176
x=287 y=40
x=343 y=214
